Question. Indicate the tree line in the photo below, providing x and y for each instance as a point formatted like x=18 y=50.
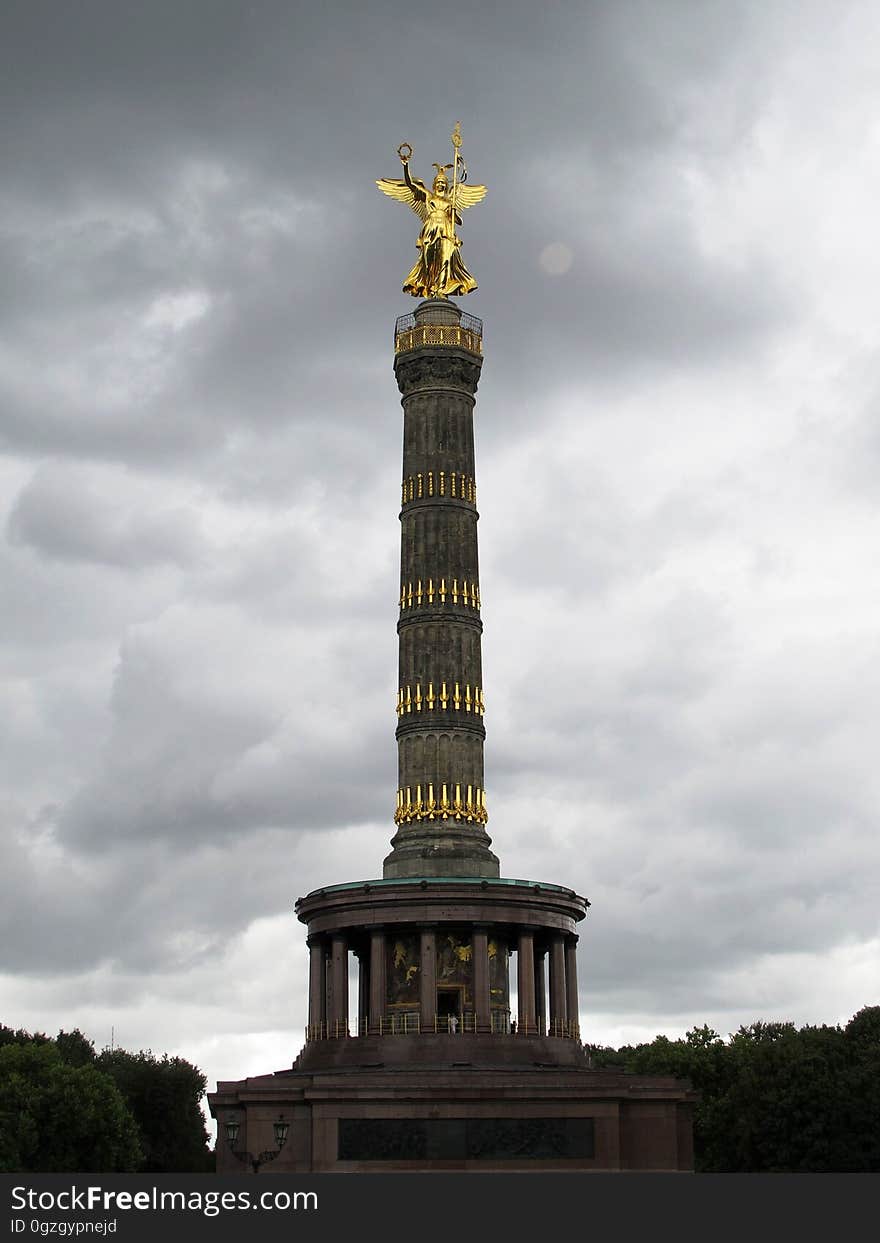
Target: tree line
x=65 y=1107
x=774 y=1098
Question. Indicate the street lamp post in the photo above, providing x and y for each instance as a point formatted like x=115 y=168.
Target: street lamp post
x=280 y=1129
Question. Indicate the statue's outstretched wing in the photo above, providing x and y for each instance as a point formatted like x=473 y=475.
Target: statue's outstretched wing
x=466 y=196
x=415 y=196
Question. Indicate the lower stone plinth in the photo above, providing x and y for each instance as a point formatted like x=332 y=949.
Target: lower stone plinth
x=453 y=1118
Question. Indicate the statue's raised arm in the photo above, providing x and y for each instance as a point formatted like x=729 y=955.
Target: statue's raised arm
x=412 y=192
x=440 y=271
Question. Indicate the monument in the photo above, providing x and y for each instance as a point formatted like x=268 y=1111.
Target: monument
x=433 y=1071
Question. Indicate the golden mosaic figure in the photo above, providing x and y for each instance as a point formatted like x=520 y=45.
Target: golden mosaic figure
x=439 y=271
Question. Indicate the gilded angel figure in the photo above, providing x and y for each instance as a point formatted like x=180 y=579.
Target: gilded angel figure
x=439 y=270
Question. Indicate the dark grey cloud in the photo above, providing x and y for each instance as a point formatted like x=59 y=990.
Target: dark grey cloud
x=62 y=513
x=199 y=456
x=223 y=153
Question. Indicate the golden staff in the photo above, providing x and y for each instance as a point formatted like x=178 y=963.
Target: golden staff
x=456 y=145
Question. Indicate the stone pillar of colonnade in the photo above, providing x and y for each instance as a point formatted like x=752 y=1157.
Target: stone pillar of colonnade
x=525 y=982
x=428 y=975
x=558 y=1013
x=571 y=987
x=480 y=954
x=317 y=989
x=377 y=978
x=363 y=1014
x=337 y=1017
x=541 y=989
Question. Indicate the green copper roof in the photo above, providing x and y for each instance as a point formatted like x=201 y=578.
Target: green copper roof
x=441 y=880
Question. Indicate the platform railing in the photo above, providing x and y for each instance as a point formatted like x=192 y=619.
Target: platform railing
x=470 y=323
x=409 y=335
x=409 y=1023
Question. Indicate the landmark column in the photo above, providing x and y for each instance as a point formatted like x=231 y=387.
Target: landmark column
x=525 y=982
x=441 y=800
x=377 y=979
x=557 y=986
x=571 y=987
x=480 y=952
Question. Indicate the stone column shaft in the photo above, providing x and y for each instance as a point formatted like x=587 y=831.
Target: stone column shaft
x=428 y=979
x=557 y=986
x=571 y=986
x=317 y=990
x=441 y=801
x=525 y=981
x=480 y=951
x=541 y=990
x=337 y=1019
x=363 y=960
x=377 y=979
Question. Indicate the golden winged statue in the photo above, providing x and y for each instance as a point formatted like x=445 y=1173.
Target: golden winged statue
x=439 y=271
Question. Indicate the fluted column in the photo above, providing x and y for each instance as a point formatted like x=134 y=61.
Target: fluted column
x=571 y=986
x=480 y=952
x=557 y=986
x=317 y=989
x=428 y=976
x=441 y=802
x=525 y=981
x=377 y=978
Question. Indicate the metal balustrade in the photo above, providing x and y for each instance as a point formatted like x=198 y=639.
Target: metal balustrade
x=409 y=1023
x=470 y=323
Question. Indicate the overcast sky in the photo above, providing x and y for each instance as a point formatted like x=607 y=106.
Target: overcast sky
x=678 y=443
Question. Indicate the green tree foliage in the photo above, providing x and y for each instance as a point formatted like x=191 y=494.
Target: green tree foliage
x=774 y=1098
x=863 y=1029
x=64 y=1107
x=163 y=1094
x=75 y=1048
x=57 y=1117
x=8 y=1036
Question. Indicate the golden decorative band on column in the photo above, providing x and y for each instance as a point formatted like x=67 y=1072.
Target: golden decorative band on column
x=442 y=483
x=468 y=804
x=449 y=695
x=440 y=591
x=438 y=334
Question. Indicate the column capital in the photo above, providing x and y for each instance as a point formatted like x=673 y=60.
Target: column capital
x=438 y=368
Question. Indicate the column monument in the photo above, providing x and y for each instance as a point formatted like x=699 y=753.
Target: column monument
x=434 y=1071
